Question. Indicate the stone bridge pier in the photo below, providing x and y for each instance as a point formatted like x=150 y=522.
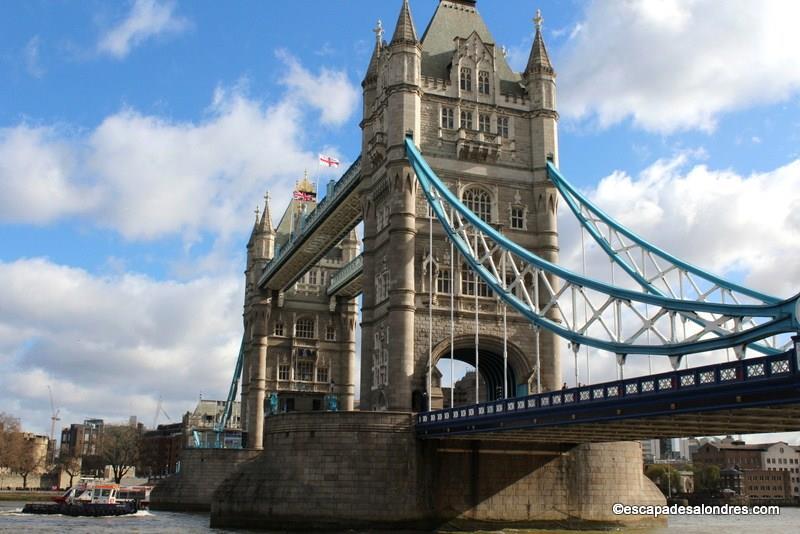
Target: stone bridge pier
x=351 y=470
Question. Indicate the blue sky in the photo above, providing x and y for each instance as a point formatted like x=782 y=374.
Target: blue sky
x=136 y=139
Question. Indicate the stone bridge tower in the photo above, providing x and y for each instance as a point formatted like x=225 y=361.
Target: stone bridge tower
x=488 y=132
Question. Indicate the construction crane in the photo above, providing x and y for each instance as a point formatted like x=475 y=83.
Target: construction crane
x=53 y=419
x=159 y=411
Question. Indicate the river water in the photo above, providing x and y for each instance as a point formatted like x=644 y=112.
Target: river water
x=11 y=520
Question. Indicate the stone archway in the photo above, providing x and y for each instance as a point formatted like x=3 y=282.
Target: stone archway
x=490 y=356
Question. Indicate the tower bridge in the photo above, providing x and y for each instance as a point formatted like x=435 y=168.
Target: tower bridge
x=458 y=186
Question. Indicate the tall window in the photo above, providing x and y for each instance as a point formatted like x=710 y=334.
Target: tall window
x=283 y=371
x=444 y=281
x=483 y=122
x=502 y=126
x=479 y=202
x=304 y=370
x=322 y=374
x=466 y=120
x=448 y=120
x=330 y=333
x=517 y=217
x=483 y=82
x=466 y=79
x=469 y=280
x=304 y=329
x=278 y=328
x=312 y=277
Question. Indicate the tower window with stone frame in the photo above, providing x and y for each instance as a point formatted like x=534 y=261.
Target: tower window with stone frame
x=304 y=329
x=502 y=127
x=466 y=79
x=479 y=202
x=304 y=370
x=466 y=120
x=444 y=281
x=469 y=279
x=278 y=328
x=483 y=82
x=517 y=218
x=283 y=371
x=484 y=122
x=448 y=118
x=312 y=277
x=330 y=333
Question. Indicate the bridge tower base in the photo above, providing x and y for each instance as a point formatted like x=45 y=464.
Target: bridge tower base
x=346 y=470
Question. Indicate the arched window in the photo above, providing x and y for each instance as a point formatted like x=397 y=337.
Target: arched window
x=466 y=79
x=483 y=82
x=479 y=202
x=304 y=329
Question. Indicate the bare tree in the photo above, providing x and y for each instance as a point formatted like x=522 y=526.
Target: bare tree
x=10 y=443
x=28 y=460
x=120 y=449
x=71 y=465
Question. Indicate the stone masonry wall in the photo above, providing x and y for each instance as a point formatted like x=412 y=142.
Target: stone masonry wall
x=201 y=472
x=326 y=470
x=367 y=470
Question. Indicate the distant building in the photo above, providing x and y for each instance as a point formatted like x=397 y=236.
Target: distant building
x=729 y=454
x=161 y=450
x=651 y=450
x=781 y=456
x=80 y=440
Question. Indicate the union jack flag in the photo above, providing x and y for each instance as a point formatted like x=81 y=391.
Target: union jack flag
x=306 y=197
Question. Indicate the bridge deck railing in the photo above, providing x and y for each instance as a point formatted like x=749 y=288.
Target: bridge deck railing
x=341 y=276
x=749 y=370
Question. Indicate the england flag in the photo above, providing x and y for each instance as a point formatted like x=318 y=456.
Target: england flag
x=328 y=161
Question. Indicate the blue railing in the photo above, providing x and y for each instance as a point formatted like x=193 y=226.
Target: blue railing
x=749 y=370
x=343 y=187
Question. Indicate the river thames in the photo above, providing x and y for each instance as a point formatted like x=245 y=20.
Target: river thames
x=11 y=520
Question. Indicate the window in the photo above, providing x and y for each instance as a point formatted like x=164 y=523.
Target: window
x=479 y=202
x=443 y=281
x=483 y=122
x=517 y=217
x=278 y=328
x=468 y=281
x=283 y=371
x=304 y=370
x=330 y=333
x=312 y=277
x=483 y=82
x=502 y=126
x=466 y=79
x=447 y=118
x=466 y=120
x=322 y=374
x=382 y=286
x=304 y=329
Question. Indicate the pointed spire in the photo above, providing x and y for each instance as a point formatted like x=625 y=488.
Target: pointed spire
x=404 y=32
x=372 y=69
x=539 y=60
x=266 y=217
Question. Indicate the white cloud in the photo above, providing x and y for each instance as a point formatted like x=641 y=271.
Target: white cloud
x=330 y=92
x=36 y=176
x=110 y=345
x=31 y=57
x=671 y=65
x=148 y=176
x=146 y=20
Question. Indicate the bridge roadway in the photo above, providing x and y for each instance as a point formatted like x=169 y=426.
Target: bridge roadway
x=739 y=397
x=338 y=213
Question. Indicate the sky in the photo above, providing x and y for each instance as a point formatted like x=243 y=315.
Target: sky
x=138 y=137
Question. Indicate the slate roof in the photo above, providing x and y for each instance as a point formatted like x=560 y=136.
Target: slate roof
x=459 y=19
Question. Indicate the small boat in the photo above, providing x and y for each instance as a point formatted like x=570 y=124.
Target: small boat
x=90 y=498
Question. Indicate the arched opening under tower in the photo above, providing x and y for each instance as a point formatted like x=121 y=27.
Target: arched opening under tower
x=454 y=381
